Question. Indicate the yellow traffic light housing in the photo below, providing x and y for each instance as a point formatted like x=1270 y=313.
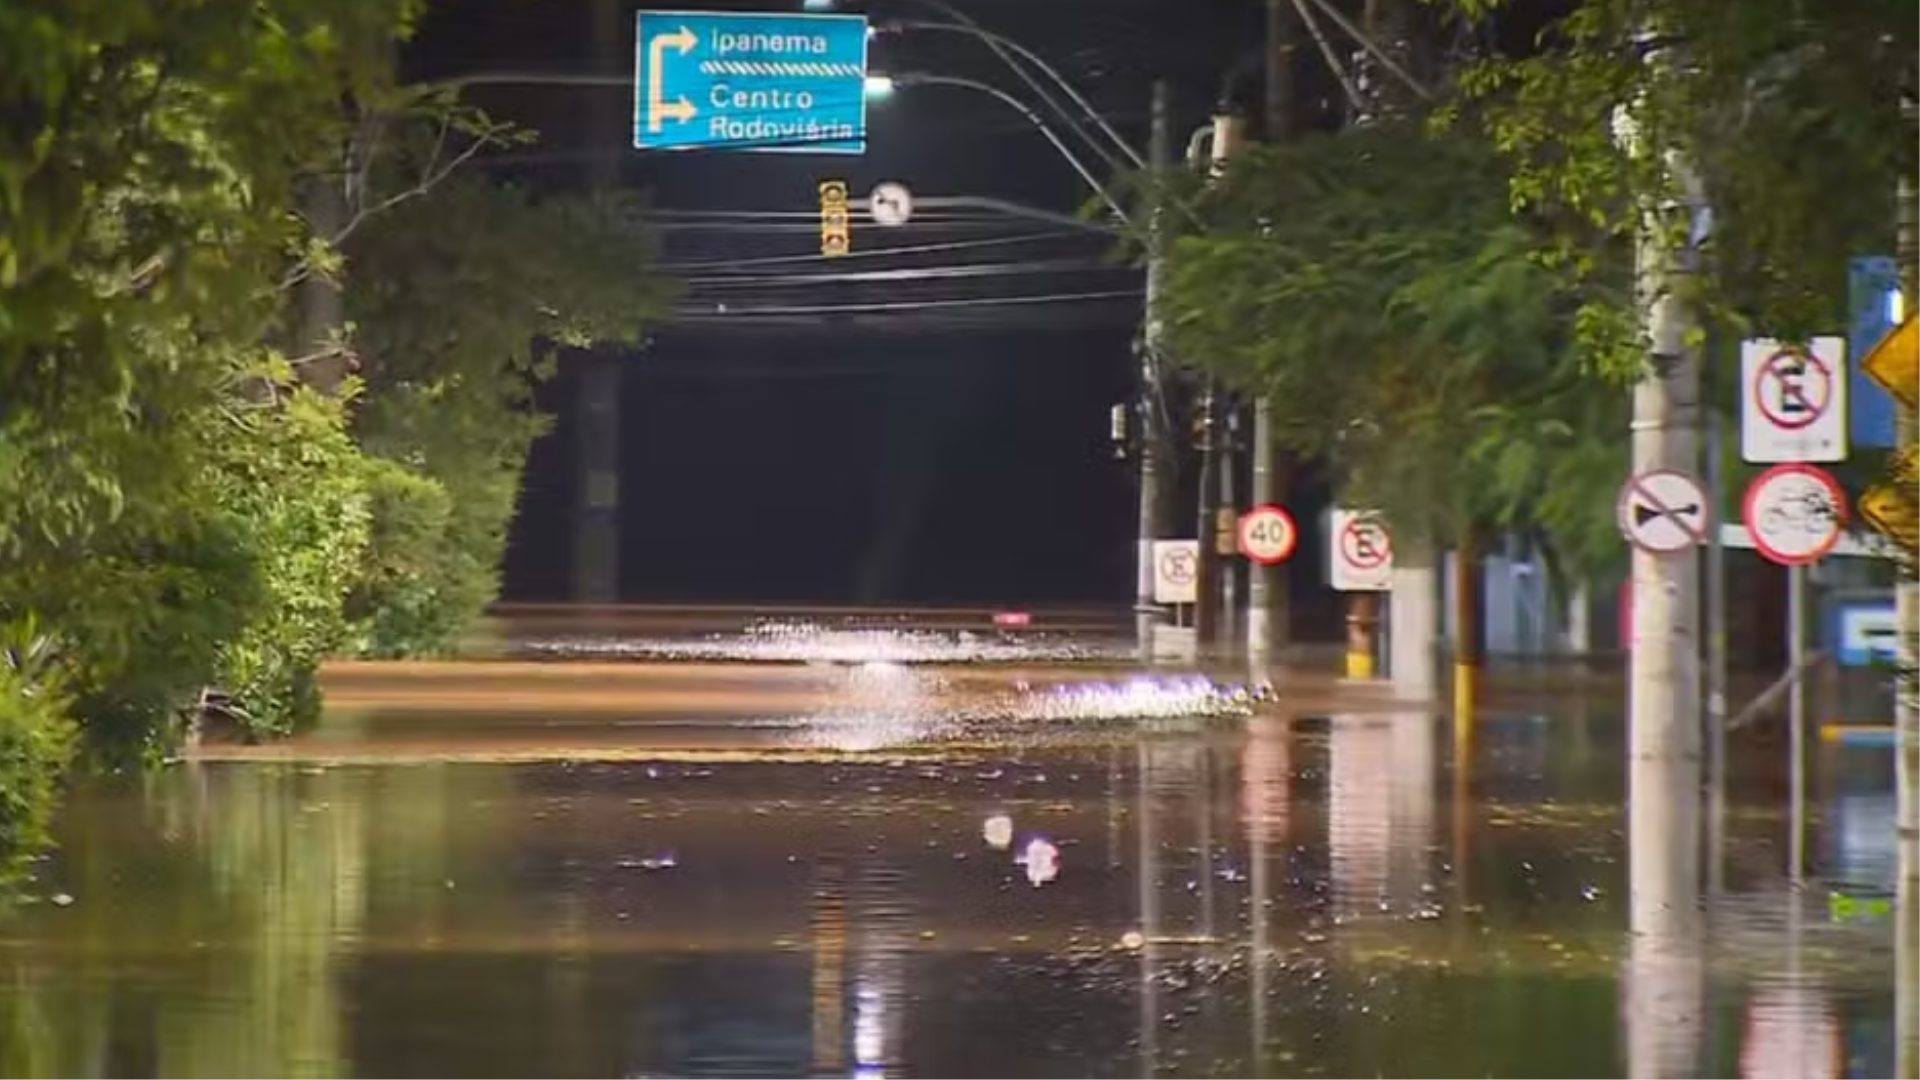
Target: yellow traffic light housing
x=836 y=222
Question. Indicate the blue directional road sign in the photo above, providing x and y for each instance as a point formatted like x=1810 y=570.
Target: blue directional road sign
x=1871 y=282
x=769 y=82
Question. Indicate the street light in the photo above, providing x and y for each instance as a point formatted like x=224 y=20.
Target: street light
x=1003 y=45
x=881 y=85
x=1007 y=49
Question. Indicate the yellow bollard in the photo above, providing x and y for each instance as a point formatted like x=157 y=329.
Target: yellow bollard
x=1363 y=621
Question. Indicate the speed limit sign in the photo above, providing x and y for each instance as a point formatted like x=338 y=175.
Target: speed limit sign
x=1267 y=535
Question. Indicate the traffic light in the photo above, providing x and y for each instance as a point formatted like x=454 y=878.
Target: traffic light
x=836 y=225
x=1891 y=507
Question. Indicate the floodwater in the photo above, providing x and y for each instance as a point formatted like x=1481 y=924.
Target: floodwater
x=850 y=888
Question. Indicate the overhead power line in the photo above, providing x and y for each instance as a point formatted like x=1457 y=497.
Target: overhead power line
x=723 y=265
x=911 y=273
x=914 y=305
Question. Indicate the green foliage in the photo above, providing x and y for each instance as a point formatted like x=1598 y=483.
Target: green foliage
x=36 y=741
x=395 y=607
x=176 y=508
x=1787 y=113
x=1376 y=285
x=461 y=300
x=295 y=479
x=149 y=161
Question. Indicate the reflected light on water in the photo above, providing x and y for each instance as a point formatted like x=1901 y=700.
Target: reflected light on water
x=1791 y=1033
x=1381 y=789
x=776 y=641
x=884 y=704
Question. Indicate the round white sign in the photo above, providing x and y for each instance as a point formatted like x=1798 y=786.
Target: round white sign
x=890 y=203
x=1662 y=511
x=1267 y=535
x=1796 y=513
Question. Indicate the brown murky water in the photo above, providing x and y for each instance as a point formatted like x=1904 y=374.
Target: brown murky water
x=1057 y=896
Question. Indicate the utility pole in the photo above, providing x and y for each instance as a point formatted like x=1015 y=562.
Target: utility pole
x=1266 y=585
x=596 y=531
x=1225 y=515
x=1147 y=614
x=1210 y=565
x=1907 y=677
x=1213 y=438
x=1664 y=736
x=1664 y=676
x=1229 y=134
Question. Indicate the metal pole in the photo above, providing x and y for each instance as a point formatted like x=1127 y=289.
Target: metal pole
x=1716 y=713
x=596 y=553
x=1261 y=580
x=1797 y=722
x=1207 y=566
x=1229 y=561
x=1147 y=614
x=1906 y=693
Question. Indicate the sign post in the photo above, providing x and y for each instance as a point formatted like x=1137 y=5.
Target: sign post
x=1175 y=571
x=1176 y=581
x=1793 y=400
x=1796 y=514
x=786 y=83
x=1360 y=563
x=1360 y=558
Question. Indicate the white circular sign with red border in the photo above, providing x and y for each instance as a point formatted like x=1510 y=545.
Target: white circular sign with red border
x=1796 y=513
x=1268 y=535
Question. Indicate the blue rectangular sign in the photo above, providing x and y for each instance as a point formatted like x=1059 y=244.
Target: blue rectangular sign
x=1862 y=632
x=1870 y=409
x=759 y=81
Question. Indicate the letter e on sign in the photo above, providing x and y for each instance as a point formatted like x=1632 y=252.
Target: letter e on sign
x=1359 y=552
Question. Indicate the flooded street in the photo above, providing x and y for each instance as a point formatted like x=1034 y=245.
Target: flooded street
x=850 y=869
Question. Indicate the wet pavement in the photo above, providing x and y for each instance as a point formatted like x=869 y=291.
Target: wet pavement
x=887 y=870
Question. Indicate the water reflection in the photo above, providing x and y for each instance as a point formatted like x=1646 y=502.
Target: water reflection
x=1232 y=897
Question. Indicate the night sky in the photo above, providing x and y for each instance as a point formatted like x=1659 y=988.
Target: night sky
x=918 y=448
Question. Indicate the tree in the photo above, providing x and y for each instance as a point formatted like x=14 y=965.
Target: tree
x=1788 y=113
x=1376 y=285
x=461 y=302
x=148 y=159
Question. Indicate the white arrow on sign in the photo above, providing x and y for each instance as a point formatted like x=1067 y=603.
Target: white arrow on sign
x=890 y=203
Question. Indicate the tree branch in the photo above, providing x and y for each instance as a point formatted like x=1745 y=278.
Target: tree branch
x=430 y=176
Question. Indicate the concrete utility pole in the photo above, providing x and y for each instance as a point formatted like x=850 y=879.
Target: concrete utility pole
x=1663 y=743
x=596 y=531
x=1147 y=614
x=1664 y=676
x=1267 y=585
x=1413 y=602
